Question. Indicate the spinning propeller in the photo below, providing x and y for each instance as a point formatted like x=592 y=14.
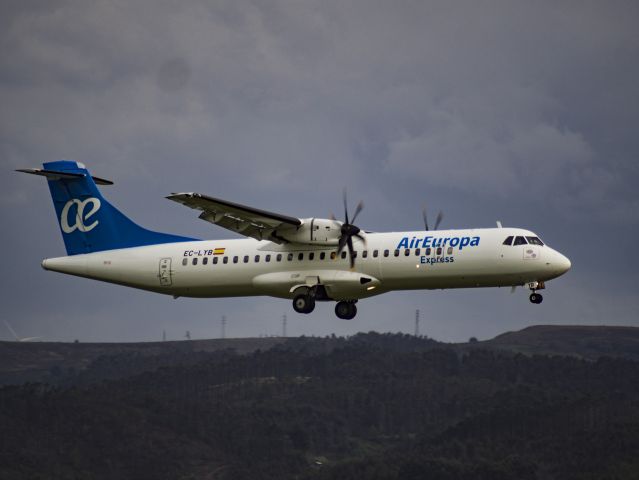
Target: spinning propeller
x=438 y=220
x=349 y=230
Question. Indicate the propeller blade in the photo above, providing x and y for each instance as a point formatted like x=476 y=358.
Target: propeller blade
x=345 y=207
x=349 y=242
x=342 y=243
x=359 y=208
x=425 y=218
x=348 y=230
x=440 y=216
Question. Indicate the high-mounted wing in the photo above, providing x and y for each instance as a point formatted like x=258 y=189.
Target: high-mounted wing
x=248 y=221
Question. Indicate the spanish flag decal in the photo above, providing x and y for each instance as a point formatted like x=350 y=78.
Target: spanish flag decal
x=219 y=251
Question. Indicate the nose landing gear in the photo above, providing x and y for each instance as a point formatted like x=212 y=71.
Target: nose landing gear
x=534 y=296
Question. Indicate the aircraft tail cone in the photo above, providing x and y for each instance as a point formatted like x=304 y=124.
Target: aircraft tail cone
x=74 y=265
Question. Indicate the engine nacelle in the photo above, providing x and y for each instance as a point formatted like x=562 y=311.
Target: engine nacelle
x=313 y=231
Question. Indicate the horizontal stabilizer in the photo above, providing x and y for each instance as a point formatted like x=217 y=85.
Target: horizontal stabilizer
x=57 y=175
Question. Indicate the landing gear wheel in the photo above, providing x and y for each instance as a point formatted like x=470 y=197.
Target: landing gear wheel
x=345 y=310
x=536 y=298
x=303 y=303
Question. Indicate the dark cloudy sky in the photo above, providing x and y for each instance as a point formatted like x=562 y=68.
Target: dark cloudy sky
x=519 y=111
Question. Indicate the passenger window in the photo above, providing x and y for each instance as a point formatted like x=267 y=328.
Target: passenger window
x=185 y=261
x=509 y=241
x=534 y=241
x=365 y=254
x=322 y=255
x=267 y=258
x=344 y=254
x=439 y=250
x=225 y=260
x=246 y=258
x=279 y=257
x=290 y=257
x=195 y=261
x=257 y=259
x=354 y=253
x=311 y=255
x=375 y=253
x=520 y=241
x=205 y=260
x=407 y=252
x=300 y=256
x=450 y=250
x=386 y=252
x=417 y=252
x=333 y=255
x=236 y=259
x=427 y=251
x=214 y=260
x=396 y=253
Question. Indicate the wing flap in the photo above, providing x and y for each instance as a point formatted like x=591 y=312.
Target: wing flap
x=247 y=221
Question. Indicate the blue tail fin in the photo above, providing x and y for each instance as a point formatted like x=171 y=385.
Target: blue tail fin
x=88 y=222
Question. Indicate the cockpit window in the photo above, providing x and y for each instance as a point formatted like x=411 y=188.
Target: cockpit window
x=520 y=241
x=509 y=241
x=534 y=241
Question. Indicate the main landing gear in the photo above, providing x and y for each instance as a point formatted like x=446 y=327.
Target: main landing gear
x=305 y=303
x=346 y=310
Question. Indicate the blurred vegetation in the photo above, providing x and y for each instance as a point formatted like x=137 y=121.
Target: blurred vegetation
x=374 y=406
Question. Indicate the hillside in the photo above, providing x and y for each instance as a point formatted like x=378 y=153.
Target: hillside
x=63 y=363
x=371 y=406
x=53 y=362
x=590 y=342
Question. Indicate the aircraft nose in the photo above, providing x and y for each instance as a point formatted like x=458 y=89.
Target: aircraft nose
x=563 y=263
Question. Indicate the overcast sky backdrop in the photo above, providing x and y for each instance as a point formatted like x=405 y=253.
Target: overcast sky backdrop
x=519 y=111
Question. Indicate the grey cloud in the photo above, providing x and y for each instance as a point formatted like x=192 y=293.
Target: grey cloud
x=521 y=111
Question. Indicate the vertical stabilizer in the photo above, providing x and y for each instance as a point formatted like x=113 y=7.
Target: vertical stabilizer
x=88 y=222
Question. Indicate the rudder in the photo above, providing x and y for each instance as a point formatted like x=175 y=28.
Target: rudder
x=88 y=222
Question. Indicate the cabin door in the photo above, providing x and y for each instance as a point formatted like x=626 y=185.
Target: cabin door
x=165 y=272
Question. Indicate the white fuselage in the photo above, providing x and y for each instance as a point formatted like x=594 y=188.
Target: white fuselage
x=252 y=267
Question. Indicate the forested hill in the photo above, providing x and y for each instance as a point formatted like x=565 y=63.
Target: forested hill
x=64 y=363
x=379 y=406
x=589 y=342
x=58 y=362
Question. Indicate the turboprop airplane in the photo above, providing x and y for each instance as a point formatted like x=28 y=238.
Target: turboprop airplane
x=303 y=259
